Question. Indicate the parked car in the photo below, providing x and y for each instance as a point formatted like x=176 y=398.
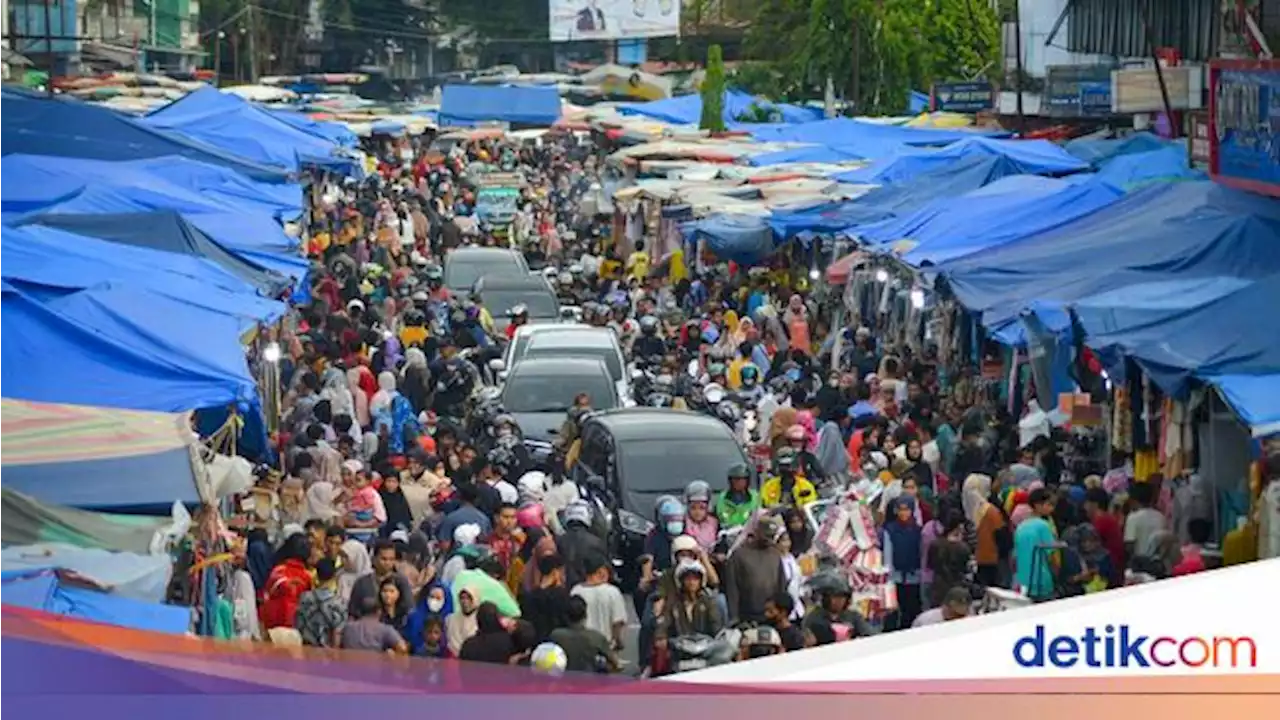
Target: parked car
x=633 y=456
x=464 y=266
x=539 y=393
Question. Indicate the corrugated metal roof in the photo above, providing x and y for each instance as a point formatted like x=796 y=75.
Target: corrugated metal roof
x=1115 y=27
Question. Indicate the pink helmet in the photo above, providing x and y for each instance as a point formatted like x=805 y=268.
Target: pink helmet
x=529 y=516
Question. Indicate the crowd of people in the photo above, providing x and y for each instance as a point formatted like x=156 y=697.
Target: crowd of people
x=409 y=517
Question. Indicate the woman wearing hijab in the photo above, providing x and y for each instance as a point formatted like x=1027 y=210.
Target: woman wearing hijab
x=993 y=536
x=293 y=502
x=491 y=642
x=417 y=380
x=289 y=578
x=462 y=623
x=919 y=469
x=434 y=601
x=337 y=391
x=355 y=565
x=392 y=411
x=359 y=399
x=902 y=545
x=399 y=517
x=1086 y=566
x=831 y=453
x=799 y=532
x=322 y=502
x=796 y=320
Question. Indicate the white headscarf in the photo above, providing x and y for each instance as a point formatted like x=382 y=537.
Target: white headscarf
x=320 y=502
x=355 y=566
x=386 y=392
x=973 y=497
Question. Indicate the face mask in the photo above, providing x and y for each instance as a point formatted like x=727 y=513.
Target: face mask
x=435 y=604
x=675 y=527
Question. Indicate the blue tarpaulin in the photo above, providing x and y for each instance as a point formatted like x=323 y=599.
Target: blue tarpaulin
x=868 y=140
x=1008 y=209
x=1131 y=171
x=468 y=104
x=1031 y=157
x=237 y=126
x=163 y=230
x=804 y=154
x=283 y=201
x=1183 y=230
x=687 y=109
x=919 y=102
x=39 y=125
x=42 y=260
x=1096 y=150
x=1256 y=398
x=130 y=348
x=42 y=590
x=743 y=239
x=885 y=204
x=333 y=132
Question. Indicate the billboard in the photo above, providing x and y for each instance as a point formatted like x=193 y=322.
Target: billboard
x=613 y=19
x=1137 y=90
x=963 y=97
x=1077 y=91
x=1244 y=124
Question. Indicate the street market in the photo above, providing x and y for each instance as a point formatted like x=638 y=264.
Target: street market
x=589 y=389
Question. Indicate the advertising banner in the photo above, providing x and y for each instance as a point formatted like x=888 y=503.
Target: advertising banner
x=613 y=19
x=963 y=97
x=1077 y=91
x=1137 y=90
x=1244 y=117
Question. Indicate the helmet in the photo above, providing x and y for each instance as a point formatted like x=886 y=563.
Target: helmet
x=781 y=386
x=508 y=420
x=501 y=459
x=739 y=470
x=688 y=567
x=578 y=511
x=659 y=400
x=697 y=491
x=785 y=459
x=830 y=583
x=507 y=493
x=670 y=508
x=713 y=394
x=796 y=432
x=716 y=369
x=433 y=273
x=550 y=272
x=520 y=310
x=683 y=543
x=533 y=485
x=649 y=325
x=529 y=516
x=566 y=278
x=728 y=412
x=750 y=375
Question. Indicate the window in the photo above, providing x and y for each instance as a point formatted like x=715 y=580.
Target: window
x=652 y=468
x=541 y=305
x=551 y=393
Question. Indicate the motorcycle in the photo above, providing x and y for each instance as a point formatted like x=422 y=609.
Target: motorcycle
x=695 y=652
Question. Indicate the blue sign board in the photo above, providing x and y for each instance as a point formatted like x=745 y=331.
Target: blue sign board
x=633 y=51
x=963 y=97
x=1245 y=125
x=1077 y=91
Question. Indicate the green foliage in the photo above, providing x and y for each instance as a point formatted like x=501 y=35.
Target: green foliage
x=713 y=92
x=875 y=51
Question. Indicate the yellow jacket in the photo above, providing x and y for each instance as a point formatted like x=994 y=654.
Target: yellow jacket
x=803 y=492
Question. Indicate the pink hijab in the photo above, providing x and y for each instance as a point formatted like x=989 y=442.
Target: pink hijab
x=805 y=419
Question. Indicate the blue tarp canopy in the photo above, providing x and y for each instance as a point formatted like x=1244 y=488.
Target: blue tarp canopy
x=168 y=231
x=1256 y=399
x=867 y=140
x=43 y=590
x=744 y=239
x=1008 y=209
x=1131 y=171
x=113 y=346
x=283 y=201
x=333 y=132
x=237 y=126
x=687 y=109
x=885 y=204
x=40 y=125
x=1178 y=231
x=41 y=260
x=465 y=104
x=1031 y=157
x=804 y=154
x=1096 y=150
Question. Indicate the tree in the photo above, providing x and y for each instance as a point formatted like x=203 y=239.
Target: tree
x=713 y=92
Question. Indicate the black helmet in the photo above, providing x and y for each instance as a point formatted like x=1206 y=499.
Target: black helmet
x=649 y=325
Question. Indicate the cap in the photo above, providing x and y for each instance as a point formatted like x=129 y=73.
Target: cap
x=400 y=536
x=466 y=534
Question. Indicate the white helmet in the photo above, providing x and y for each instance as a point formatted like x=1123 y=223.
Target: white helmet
x=532 y=486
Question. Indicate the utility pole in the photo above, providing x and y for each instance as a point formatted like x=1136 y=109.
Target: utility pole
x=48 y=44
x=253 y=44
x=1017 y=63
x=1164 y=88
x=856 y=85
x=152 y=32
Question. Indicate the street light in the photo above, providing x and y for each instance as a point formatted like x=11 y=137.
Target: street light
x=271 y=353
x=882 y=275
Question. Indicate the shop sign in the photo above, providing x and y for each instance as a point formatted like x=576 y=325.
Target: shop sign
x=1244 y=118
x=1137 y=90
x=963 y=97
x=1198 y=138
x=1077 y=91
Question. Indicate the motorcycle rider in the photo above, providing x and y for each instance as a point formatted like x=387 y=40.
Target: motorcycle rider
x=700 y=523
x=692 y=610
x=649 y=344
x=754 y=574
x=786 y=488
x=519 y=316
x=454 y=385
x=807 y=464
x=736 y=505
x=833 y=620
x=750 y=392
x=669 y=516
x=578 y=543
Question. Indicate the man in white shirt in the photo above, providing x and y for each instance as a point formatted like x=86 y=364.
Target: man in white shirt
x=1144 y=522
x=606 y=608
x=956 y=604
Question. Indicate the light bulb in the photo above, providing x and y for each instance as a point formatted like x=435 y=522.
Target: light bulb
x=813 y=274
x=271 y=353
x=882 y=275
x=917 y=298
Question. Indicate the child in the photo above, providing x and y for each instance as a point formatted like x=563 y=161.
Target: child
x=660 y=655
x=902 y=543
x=364 y=507
x=433 y=643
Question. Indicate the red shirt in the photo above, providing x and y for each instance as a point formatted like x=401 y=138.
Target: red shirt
x=285 y=585
x=1112 y=537
x=511 y=330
